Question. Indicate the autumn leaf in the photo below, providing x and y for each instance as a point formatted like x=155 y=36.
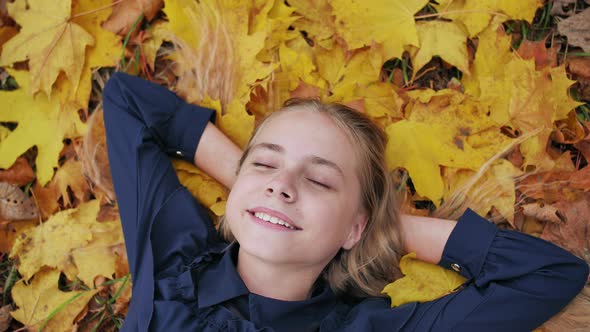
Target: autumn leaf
x=204 y=188
x=41 y=298
x=6 y=33
x=89 y=14
x=126 y=13
x=49 y=40
x=454 y=132
x=421 y=282
x=66 y=240
x=316 y=19
x=572 y=233
x=445 y=39
x=576 y=28
x=391 y=23
x=44 y=124
x=477 y=15
x=344 y=71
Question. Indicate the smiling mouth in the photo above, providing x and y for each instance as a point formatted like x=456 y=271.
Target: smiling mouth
x=273 y=220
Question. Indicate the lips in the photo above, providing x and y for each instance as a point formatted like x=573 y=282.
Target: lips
x=275 y=214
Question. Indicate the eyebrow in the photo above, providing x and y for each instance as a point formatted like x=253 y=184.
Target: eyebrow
x=316 y=160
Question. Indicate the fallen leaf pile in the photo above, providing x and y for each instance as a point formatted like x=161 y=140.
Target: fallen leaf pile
x=477 y=115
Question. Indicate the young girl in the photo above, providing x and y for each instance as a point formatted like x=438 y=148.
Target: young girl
x=313 y=229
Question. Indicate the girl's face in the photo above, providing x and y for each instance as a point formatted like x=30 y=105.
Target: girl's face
x=300 y=170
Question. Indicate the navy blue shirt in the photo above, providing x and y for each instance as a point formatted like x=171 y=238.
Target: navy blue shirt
x=185 y=278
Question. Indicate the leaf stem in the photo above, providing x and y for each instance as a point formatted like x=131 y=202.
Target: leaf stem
x=88 y=12
x=453 y=12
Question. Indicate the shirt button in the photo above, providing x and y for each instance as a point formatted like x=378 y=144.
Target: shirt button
x=179 y=153
x=456 y=267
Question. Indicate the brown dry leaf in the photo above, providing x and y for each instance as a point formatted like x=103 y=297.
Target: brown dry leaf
x=568 y=131
x=5 y=317
x=10 y=230
x=551 y=187
x=6 y=33
x=574 y=318
x=544 y=57
x=127 y=12
x=579 y=66
x=563 y=7
x=46 y=199
x=577 y=29
x=20 y=173
x=15 y=204
x=543 y=212
x=41 y=297
x=584 y=145
x=573 y=233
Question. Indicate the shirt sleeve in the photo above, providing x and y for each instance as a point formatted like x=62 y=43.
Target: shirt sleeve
x=145 y=124
x=515 y=281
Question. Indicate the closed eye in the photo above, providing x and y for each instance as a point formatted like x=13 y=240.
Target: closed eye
x=319 y=184
x=261 y=165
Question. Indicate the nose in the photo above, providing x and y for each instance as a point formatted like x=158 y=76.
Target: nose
x=282 y=186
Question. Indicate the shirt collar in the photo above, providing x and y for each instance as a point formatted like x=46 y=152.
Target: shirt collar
x=220 y=282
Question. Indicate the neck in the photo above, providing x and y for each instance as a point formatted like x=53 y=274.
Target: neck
x=281 y=282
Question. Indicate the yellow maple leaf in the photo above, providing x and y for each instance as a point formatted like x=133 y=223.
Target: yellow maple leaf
x=203 y=187
x=493 y=51
x=449 y=125
x=68 y=232
x=276 y=22
x=422 y=282
x=519 y=96
x=445 y=39
x=42 y=297
x=297 y=60
x=42 y=122
x=559 y=95
x=390 y=23
x=477 y=15
x=381 y=101
x=49 y=40
x=345 y=71
x=89 y=14
x=70 y=175
x=316 y=19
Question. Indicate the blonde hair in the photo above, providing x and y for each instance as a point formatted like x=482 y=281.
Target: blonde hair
x=373 y=261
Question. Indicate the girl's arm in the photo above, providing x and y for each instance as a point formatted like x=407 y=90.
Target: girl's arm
x=426 y=236
x=218 y=156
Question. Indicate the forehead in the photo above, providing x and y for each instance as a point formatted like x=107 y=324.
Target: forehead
x=307 y=132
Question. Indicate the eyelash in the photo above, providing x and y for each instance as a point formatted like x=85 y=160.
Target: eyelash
x=325 y=186
x=317 y=183
x=261 y=165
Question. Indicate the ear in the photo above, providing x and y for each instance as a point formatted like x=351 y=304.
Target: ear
x=357 y=229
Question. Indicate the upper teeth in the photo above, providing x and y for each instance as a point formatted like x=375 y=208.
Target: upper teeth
x=272 y=219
